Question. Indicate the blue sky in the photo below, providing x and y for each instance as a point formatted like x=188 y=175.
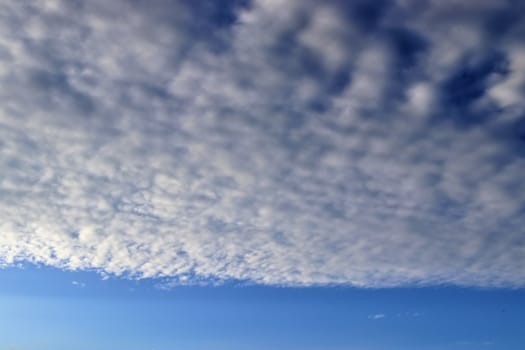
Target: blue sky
x=292 y=147
x=104 y=314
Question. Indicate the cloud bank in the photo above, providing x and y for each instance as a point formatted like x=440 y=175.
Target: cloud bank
x=272 y=142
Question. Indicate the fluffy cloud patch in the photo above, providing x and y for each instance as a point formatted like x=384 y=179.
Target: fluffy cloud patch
x=273 y=142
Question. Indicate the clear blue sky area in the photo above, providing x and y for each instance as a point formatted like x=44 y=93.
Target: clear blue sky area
x=50 y=309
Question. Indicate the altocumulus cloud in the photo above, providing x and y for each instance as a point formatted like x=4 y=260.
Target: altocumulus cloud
x=274 y=142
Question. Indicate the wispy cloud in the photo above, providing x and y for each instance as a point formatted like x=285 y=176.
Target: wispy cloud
x=409 y=314
x=78 y=284
x=376 y=316
x=302 y=143
x=476 y=343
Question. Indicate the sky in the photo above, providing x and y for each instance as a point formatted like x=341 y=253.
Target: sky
x=79 y=310
x=262 y=174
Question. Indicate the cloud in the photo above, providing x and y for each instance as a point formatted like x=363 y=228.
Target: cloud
x=376 y=316
x=484 y=343
x=297 y=144
x=78 y=284
x=409 y=314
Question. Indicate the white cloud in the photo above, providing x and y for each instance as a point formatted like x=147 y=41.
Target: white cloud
x=420 y=99
x=511 y=91
x=134 y=145
x=325 y=35
x=376 y=316
x=78 y=284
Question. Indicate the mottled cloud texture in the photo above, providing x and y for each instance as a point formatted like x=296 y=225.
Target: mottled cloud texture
x=281 y=142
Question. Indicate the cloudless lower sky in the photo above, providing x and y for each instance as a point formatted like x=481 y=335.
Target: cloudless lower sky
x=45 y=308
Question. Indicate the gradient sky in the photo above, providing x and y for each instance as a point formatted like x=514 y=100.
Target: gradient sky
x=51 y=309
x=292 y=174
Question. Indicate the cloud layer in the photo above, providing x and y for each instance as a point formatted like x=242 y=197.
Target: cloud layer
x=273 y=142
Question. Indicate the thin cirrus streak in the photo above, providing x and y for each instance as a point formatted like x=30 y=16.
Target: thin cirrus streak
x=272 y=142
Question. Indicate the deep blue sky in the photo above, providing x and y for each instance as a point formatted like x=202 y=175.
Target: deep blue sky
x=262 y=174
x=42 y=309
